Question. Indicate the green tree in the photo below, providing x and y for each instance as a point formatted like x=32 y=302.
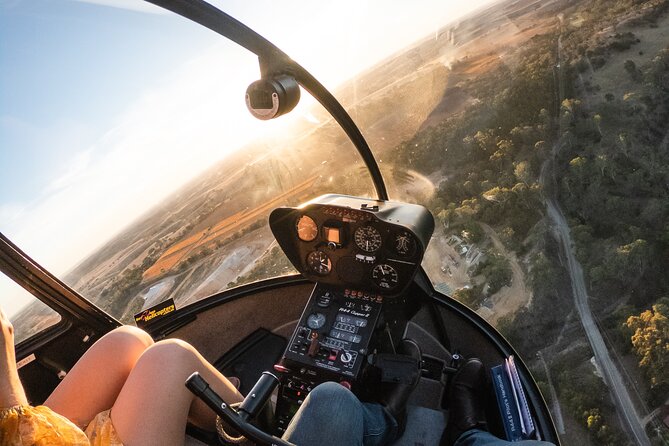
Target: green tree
x=522 y=171
x=543 y=275
x=471 y=297
x=496 y=270
x=633 y=71
x=651 y=341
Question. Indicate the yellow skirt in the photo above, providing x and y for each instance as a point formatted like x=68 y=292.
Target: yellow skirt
x=41 y=426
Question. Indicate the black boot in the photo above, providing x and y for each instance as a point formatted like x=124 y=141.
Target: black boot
x=466 y=398
x=400 y=376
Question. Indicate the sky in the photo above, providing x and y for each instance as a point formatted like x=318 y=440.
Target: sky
x=100 y=101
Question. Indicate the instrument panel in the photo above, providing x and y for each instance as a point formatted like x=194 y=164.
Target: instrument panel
x=353 y=242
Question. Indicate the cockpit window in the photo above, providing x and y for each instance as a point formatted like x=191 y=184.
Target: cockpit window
x=133 y=169
x=27 y=314
x=543 y=159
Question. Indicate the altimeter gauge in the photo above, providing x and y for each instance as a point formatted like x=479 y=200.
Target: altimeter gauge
x=307 y=229
x=385 y=276
x=318 y=262
x=367 y=238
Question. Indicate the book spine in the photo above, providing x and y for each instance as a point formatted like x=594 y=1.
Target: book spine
x=524 y=406
x=506 y=403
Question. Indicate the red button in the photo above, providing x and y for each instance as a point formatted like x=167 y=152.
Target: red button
x=280 y=368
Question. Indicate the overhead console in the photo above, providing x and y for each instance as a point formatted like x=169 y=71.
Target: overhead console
x=369 y=245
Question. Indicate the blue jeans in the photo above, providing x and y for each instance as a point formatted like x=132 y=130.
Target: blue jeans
x=475 y=437
x=332 y=415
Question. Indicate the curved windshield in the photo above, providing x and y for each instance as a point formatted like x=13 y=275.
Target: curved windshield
x=137 y=174
x=535 y=131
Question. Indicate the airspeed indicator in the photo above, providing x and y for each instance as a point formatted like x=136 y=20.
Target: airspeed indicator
x=367 y=238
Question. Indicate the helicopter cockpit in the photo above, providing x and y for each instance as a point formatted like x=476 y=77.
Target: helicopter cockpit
x=363 y=256
x=485 y=180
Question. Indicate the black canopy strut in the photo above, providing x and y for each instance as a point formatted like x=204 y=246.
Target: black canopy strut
x=273 y=61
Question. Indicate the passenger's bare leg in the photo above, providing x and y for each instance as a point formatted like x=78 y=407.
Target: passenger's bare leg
x=154 y=404
x=96 y=379
x=11 y=390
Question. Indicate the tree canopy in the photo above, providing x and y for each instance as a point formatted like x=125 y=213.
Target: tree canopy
x=650 y=339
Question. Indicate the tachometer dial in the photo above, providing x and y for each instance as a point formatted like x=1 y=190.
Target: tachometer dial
x=367 y=238
x=316 y=321
x=307 y=230
x=405 y=244
x=385 y=276
x=319 y=263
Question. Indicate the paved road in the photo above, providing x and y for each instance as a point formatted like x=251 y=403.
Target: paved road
x=626 y=410
x=610 y=373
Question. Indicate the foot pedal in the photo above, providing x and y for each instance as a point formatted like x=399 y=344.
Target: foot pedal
x=399 y=369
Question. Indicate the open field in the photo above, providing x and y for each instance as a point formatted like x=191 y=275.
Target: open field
x=608 y=79
x=218 y=233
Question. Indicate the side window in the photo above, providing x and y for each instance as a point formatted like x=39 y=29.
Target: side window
x=27 y=313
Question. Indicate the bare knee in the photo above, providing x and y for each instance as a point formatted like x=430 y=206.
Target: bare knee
x=125 y=343
x=128 y=337
x=173 y=351
x=175 y=346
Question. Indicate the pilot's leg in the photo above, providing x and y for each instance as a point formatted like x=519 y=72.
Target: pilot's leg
x=154 y=404
x=331 y=414
x=476 y=437
x=466 y=418
x=96 y=379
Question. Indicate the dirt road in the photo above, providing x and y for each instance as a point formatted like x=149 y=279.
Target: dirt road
x=509 y=299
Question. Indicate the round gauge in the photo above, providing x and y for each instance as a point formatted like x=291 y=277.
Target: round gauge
x=319 y=263
x=385 y=276
x=405 y=244
x=367 y=238
x=316 y=321
x=307 y=230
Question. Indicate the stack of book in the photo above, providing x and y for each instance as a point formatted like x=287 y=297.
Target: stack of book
x=512 y=402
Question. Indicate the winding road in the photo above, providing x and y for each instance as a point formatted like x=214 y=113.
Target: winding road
x=609 y=371
x=621 y=397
